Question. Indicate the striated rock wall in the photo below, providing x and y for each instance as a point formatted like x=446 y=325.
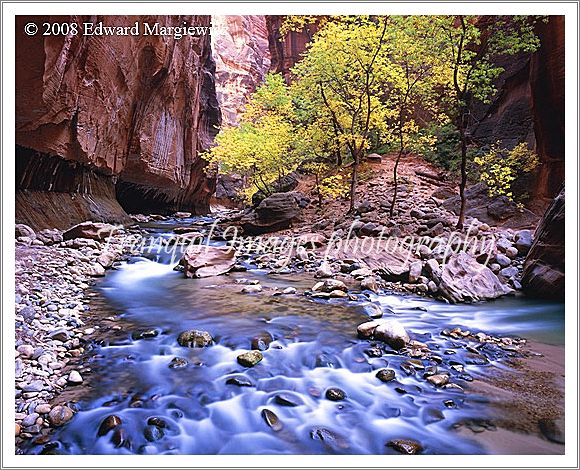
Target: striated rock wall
x=543 y=274
x=529 y=107
x=134 y=110
x=284 y=54
x=242 y=56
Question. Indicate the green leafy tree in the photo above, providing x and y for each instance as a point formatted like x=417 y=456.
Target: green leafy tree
x=412 y=71
x=339 y=80
x=260 y=148
x=500 y=168
x=470 y=45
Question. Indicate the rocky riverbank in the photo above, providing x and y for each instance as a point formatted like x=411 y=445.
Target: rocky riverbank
x=54 y=273
x=55 y=270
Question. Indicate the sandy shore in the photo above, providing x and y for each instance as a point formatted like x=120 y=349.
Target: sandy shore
x=529 y=392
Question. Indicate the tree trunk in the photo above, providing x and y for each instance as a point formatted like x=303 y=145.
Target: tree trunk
x=353 y=182
x=395 y=183
x=463 y=183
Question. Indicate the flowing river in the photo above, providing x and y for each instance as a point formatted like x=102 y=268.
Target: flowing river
x=213 y=405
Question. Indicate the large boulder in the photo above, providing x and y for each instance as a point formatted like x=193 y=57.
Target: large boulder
x=206 y=261
x=543 y=274
x=276 y=212
x=491 y=210
x=463 y=279
x=283 y=185
x=23 y=230
x=91 y=230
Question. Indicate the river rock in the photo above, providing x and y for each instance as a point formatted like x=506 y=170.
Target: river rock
x=153 y=433
x=373 y=310
x=60 y=415
x=110 y=422
x=178 y=363
x=324 y=271
x=17 y=429
x=523 y=241
x=438 y=379
x=25 y=350
x=503 y=260
x=95 y=270
x=250 y=358
x=369 y=283
x=34 y=386
x=144 y=334
x=329 y=285
x=311 y=240
x=392 y=333
x=252 y=289
x=43 y=408
x=206 y=261
x=415 y=270
x=288 y=399
x=374 y=158
x=272 y=420
x=50 y=236
x=262 y=341
x=90 y=230
x=509 y=272
x=385 y=375
x=330 y=438
x=30 y=419
x=405 y=446
x=335 y=394
x=463 y=279
x=106 y=259
x=367 y=329
x=512 y=252
x=240 y=381
x=74 y=378
x=194 y=339
x=23 y=230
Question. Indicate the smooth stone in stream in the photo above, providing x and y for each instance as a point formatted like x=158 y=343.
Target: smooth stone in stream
x=240 y=381
x=252 y=289
x=374 y=310
x=432 y=415
x=250 y=359
x=385 y=375
x=438 y=379
x=153 y=433
x=392 y=333
x=194 y=339
x=17 y=429
x=330 y=438
x=178 y=363
x=144 y=334
x=286 y=399
x=156 y=421
x=335 y=394
x=262 y=341
x=60 y=415
x=405 y=446
x=120 y=438
x=272 y=420
x=110 y=422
